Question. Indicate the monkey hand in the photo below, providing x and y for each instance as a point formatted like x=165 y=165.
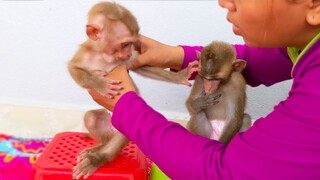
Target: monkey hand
x=120 y=72
x=185 y=75
x=109 y=88
x=204 y=102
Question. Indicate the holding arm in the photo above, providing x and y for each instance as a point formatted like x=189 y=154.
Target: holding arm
x=265 y=66
x=157 y=54
x=168 y=144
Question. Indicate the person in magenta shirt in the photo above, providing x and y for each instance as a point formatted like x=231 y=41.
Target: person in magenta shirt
x=282 y=41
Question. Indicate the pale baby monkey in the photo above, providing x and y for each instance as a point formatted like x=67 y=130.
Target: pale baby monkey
x=112 y=34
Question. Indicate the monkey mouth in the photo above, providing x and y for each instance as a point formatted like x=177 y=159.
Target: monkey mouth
x=210 y=92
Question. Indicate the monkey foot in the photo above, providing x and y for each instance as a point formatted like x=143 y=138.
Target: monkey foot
x=87 y=166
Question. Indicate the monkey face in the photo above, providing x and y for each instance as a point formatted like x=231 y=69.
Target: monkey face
x=115 y=39
x=210 y=86
x=210 y=83
x=215 y=77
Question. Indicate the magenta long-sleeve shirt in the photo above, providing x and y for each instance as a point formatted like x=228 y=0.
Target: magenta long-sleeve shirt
x=283 y=145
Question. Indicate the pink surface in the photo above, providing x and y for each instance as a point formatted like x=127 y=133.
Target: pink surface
x=17 y=155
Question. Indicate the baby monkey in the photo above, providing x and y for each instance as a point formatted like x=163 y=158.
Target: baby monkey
x=112 y=33
x=219 y=73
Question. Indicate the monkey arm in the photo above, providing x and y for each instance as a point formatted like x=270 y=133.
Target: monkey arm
x=161 y=74
x=157 y=73
x=86 y=78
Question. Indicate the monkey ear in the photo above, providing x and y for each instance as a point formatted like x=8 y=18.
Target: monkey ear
x=199 y=58
x=198 y=55
x=93 y=31
x=238 y=65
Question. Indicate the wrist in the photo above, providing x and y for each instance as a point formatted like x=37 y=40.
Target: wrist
x=189 y=54
x=174 y=58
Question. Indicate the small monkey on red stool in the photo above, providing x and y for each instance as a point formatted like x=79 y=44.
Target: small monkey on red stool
x=112 y=35
x=220 y=73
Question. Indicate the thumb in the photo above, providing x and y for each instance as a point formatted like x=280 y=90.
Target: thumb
x=138 y=61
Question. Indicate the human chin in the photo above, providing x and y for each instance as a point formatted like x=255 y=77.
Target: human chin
x=236 y=30
x=259 y=44
x=249 y=42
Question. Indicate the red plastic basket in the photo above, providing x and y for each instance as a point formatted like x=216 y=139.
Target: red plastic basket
x=59 y=157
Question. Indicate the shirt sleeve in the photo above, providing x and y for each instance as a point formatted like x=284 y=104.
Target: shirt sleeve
x=282 y=145
x=265 y=66
x=173 y=148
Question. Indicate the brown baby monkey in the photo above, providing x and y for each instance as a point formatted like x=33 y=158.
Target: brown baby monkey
x=219 y=73
x=113 y=34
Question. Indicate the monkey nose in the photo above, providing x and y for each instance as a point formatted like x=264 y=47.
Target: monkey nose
x=125 y=55
x=129 y=54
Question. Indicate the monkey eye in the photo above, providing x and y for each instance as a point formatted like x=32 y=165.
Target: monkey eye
x=213 y=77
x=207 y=77
x=126 y=44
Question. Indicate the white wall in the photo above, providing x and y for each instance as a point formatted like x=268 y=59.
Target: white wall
x=39 y=37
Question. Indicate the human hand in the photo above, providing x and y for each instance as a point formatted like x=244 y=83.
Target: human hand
x=154 y=53
x=121 y=73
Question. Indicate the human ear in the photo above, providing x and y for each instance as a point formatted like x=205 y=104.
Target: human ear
x=93 y=31
x=313 y=14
